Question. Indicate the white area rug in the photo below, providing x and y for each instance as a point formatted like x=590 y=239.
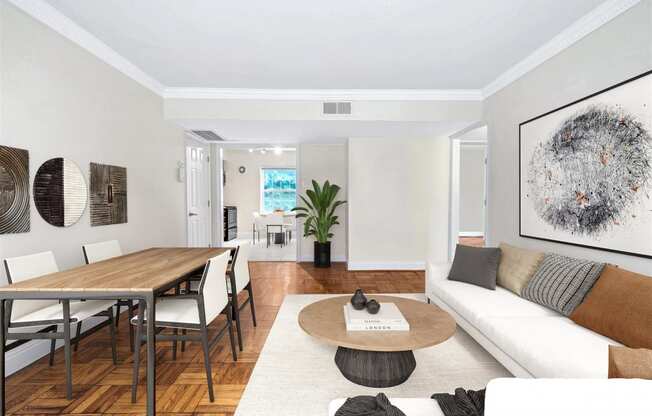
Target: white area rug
x=296 y=374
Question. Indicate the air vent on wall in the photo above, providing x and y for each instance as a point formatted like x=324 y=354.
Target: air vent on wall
x=332 y=108
x=208 y=135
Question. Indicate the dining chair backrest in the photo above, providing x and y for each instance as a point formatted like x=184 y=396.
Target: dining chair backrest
x=260 y=222
x=27 y=267
x=213 y=286
x=275 y=219
x=101 y=251
x=241 y=267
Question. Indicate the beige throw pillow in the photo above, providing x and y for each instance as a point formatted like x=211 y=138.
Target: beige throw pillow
x=517 y=266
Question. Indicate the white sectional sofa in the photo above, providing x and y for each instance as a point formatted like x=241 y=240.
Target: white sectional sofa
x=528 y=339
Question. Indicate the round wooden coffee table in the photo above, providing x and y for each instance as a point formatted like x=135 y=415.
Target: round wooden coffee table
x=377 y=359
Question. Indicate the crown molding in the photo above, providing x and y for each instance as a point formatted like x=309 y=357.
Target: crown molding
x=57 y=21
x=323 y=94
x=578 y=30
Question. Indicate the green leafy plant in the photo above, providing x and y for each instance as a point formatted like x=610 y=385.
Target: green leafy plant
x=319 y=212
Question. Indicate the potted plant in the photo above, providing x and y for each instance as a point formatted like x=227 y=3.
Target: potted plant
x=319 y=214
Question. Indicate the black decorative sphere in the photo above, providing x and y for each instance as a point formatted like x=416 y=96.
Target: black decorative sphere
x=373 y=306
x=359 y=300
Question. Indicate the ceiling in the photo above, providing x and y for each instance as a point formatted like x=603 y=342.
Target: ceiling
x=339 y=44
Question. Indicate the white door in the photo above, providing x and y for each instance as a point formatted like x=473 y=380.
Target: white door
x=198 y=198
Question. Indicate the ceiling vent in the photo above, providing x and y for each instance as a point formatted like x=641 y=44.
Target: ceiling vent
x=207 y=135
x=334 y=108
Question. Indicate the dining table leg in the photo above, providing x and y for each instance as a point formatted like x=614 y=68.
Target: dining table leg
x=151 y=354
x=2 y=356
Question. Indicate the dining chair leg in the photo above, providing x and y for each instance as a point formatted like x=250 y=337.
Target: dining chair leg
x=77 y=334
x=174 y=345
x=66 y=347
x=236 y=315
x=183 y=343
x=137 y=343
x=53 y=346
x=207 y=362
x=251 y=302
x=131 y=327
x=114 y=354
x=229 y=323
x=117 y=314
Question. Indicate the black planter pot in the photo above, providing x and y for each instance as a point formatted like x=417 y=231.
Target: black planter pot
x=322 y=254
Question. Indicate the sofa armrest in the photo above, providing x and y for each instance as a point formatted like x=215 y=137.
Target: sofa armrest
x=435 y=272
x=545 y=397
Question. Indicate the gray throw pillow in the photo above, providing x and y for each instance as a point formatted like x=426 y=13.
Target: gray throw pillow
x=475 y=265
x=561 y=282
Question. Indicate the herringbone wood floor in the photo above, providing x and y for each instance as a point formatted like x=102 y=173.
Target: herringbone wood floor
x=100 y=388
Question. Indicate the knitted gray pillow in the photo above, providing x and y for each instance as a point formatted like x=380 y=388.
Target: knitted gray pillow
x=561 y=282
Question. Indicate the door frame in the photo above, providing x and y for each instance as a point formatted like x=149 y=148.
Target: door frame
x=457 y=141
x=189 y=142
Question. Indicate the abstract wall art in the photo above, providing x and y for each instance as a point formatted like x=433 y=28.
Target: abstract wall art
x=108 y=194
x=60 y=192
x=586 y=171
x=14 y=190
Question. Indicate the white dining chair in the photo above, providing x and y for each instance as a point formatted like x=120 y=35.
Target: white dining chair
x=238 y=281
x=104 y=250
x=36 y=313
x=274 y=225
x=289 y=225
x=191 y=312
x=255 y=228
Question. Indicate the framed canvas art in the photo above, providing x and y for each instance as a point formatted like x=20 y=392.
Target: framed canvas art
x=585 y=171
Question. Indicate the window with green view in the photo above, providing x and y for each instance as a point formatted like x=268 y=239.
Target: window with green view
x=278 y=189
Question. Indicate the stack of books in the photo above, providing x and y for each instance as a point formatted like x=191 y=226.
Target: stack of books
x=388 y=318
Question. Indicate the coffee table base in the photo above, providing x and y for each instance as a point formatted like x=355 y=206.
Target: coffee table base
x=375 y=368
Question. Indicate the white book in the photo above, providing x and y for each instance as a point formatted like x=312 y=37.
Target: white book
x=391 y=320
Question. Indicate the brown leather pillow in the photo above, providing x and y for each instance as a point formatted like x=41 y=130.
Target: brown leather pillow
x=630 y=363
x=619 y=306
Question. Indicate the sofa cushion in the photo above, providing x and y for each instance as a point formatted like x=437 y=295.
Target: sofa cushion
x=476 y=304
x=630 y=362
x=517 y=266
x=561 y=282
x=475 y=265
x=620 y=307
x=552 y=347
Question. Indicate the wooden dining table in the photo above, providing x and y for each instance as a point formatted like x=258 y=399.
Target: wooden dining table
x=141 y=276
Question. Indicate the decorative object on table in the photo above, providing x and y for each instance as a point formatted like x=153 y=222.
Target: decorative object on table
x=378 y=405
x=108 y=194
x=463 y=402
x=242 y=169
x=475 y=265
x=586 y=171
x=358 y=300
x=389 y=318
x=14 y=190
x=619 y=306
x=60 y=192
x=630 y=362
x=561 y=283
x=373 y=306
x=319 y=215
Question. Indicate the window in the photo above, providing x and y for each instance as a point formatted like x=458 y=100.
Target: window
x=278 y=190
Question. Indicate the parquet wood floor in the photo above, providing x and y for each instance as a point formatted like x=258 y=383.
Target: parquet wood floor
x=100 y=388
x=472 y=241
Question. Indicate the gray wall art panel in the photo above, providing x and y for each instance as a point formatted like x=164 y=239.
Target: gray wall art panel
x=108 y=194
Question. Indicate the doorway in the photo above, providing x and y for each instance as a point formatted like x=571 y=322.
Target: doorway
x=259 y=192
x=468 y=202
x=198 y=209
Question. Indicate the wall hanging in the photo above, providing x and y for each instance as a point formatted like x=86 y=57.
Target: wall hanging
x=108 y=194
x=14 y=190
x=586 y=171
x=60 y=192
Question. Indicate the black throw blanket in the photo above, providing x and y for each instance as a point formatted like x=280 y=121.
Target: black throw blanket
x=462 y=403
x=368 y=406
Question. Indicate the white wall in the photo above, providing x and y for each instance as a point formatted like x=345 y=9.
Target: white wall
x=618 y=50
x=396 y=190
x=472 y=177
x=323 y=162
x=243 y=189
x=60 y=101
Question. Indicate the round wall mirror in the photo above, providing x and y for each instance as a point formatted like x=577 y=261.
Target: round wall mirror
x=60 y=192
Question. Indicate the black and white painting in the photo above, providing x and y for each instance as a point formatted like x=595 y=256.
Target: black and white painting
x=14 y=190
x=108 y=194
x=586 y=171
x=60 y=192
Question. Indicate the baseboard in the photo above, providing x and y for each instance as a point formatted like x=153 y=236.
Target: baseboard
x=335 y=259
x=471 y=234
x=419 y=265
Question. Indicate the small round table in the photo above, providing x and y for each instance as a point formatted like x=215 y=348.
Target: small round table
x=377 y=359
